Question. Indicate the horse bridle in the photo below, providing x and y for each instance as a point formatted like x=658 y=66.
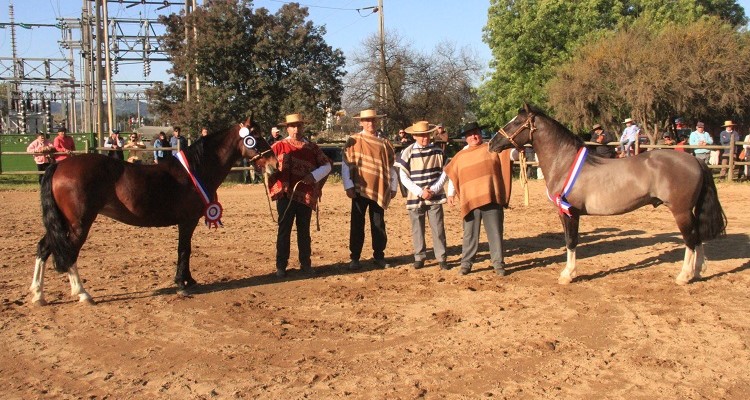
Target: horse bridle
x=529 y=123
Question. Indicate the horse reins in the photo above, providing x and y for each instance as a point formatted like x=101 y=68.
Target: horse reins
x=529 y=123
x=259 y=155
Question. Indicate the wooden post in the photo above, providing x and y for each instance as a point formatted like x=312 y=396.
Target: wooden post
x=732 y=151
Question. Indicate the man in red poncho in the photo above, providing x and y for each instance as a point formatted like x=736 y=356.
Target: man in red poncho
x=296 y=187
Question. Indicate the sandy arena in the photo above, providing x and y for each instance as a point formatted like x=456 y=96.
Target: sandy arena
x=622 y=330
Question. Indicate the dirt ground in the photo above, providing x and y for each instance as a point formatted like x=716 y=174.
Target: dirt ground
x=623 y=329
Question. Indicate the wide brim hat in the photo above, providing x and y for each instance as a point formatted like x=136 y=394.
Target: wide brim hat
x=470 y=127
x=595 y=127
x=728 y=123
x=292 y=119
x=421 y=128
x=367 y=114
x=628 y=120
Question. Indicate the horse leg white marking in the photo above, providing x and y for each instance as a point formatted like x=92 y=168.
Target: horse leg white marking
x=688 y=267
x=37 y=283
x=76 y=286
x=700 y=260
x=567 y=275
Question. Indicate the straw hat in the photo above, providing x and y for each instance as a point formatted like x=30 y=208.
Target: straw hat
x=293 y=119
x=728 y=123
x=628 y=120
x=369 y=114
x=597 y=126
x=420 y=128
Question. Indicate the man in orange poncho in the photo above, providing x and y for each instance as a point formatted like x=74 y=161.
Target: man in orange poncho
x=482 y=180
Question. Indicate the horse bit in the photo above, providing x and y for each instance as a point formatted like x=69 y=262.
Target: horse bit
x=529 y=123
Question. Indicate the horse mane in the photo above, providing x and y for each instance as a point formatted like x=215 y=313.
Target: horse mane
x=203 y=151
x=566 y=136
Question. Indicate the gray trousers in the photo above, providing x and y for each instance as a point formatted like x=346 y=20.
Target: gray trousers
x=492 y=215
x=417 y=216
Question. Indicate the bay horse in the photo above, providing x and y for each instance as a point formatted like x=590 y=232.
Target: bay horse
x=604 y=186
x=77 y=189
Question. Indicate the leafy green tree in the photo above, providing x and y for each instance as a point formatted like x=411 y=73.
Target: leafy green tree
x=529 y=38
x=248 y=62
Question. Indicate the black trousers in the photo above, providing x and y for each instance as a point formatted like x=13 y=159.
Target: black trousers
x=301 y=214
x=42 y=167
x=357 y=228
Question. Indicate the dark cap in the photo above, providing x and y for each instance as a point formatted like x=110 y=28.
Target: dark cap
x=700 y=125
x=62 y=129
x=116 y=131
x=470 y=127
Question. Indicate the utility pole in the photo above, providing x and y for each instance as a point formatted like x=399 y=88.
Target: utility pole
x=111 y=118
x=187 y=45
x=382 y=89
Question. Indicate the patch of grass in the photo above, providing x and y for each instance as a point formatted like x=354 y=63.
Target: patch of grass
x=15 y=182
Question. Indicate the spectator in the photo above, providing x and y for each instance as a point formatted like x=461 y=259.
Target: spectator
x=204 y=132
x=441 y=137
x=296 y=187
x=115 y=143
x=159 y=142
x=602 y=138
x=63 y=144
x=667 y=140
x=629 y=137
x=420 y=169
x=177 y=140
x=274 y=137
x=725 y=139
x=134 y=143
x=404 y=138
x=482 y=181
x=42 y=149
x=746 y=155
x=370 y=180
x=701 y=138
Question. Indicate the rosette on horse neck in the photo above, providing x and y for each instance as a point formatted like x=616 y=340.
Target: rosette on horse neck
x=596 y=186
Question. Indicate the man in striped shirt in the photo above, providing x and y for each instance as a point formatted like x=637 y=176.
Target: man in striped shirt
x=420 y=169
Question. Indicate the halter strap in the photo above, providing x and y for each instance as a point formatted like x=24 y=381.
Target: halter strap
x=529 y=123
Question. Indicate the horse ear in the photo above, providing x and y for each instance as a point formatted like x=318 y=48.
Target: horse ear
x=526 y=107
x=248 y=121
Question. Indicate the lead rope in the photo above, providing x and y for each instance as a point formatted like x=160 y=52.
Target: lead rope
x=294 y=189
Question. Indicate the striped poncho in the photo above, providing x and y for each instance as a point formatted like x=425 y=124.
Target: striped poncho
x=423 y=165
x=370 y=159
x=480 y=177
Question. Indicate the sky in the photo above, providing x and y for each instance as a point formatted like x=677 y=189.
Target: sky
x=423 y=23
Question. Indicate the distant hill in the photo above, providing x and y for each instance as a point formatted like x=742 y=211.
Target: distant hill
x=123 y=107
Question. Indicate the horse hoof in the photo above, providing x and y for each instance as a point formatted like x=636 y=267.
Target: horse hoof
x=564 y=280
x=183 y=293
x=39 y=302
x=88 y=301
x=682 y=281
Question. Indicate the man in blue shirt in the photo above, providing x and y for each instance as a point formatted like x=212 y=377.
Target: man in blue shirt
x=699 y=137
x=177 y=138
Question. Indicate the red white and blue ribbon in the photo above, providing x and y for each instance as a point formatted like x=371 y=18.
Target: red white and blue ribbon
x=561 y=199
x=213 y=209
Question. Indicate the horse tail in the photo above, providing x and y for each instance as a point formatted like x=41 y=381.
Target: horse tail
x=712 y=221
x=54 y=223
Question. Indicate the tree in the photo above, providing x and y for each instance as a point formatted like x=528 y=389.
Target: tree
x=529 y=38
x=434 y=86
x=700 y=71
x=248 y=62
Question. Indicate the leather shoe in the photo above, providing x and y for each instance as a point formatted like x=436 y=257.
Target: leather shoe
x=354 y=265
x=418 y=264
x=382 y=263
x=307 y=269
x=444 y=265
x=500 y=271
x=280 y=272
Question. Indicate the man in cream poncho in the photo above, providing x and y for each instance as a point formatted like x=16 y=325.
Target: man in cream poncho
x=481 y=180
x=370 y=180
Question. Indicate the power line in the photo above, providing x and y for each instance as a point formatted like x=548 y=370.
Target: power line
x=326 y=7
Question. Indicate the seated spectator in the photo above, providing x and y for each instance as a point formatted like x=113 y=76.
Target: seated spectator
x=134 y=143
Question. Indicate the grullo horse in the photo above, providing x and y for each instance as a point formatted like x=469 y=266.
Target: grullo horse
x=617 y=186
